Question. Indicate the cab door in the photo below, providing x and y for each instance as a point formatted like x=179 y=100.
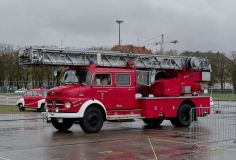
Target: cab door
x=102 y=89
x=27 y=98
x=124 y=91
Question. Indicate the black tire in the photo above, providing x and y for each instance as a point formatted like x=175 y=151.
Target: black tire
x=183 y=116
x=42 y=108
x=64 y=126
x=175 y=122
x=92 y=121
x=21 y=107
x=153 y=122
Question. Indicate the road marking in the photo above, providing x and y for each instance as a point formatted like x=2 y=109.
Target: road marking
x=220 y=148
x=106 y=152
x=109 y=152
x=212 y=148
x=152 y=149
x=1 y=158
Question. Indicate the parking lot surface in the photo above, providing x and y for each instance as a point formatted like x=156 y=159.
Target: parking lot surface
x=34 y=139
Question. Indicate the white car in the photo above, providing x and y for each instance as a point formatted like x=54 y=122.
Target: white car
x=22 y=90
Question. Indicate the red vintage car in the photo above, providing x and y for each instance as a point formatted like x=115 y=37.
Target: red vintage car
x=34 y=99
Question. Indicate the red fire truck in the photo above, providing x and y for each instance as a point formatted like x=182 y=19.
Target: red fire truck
x=108 y=86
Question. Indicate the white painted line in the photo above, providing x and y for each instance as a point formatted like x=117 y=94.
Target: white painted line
x=155 y=156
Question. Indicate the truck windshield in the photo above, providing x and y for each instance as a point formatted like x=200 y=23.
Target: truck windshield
x=81 y=76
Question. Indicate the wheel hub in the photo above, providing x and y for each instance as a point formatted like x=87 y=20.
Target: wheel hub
x=93 y=120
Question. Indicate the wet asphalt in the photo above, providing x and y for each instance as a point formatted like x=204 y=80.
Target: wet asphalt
x=37 y=140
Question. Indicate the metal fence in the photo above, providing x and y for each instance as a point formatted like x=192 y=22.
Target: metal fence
x=14 y=87
x=216 y=126
x=9 y=100
x=11 y=91
x=222 y=94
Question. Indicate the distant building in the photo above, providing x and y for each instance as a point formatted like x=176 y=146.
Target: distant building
x=131 y=49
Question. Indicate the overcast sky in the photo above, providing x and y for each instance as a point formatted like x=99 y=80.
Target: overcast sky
x=197 y=24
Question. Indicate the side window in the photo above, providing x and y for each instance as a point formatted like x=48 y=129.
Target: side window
x=28 y=93
x=143 y=77
x=35 y=93
x=40 y=93
x=123 y=79
x=45 y=93
x=102 y=80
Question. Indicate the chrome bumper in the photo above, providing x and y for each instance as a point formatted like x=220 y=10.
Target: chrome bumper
x=48 y=115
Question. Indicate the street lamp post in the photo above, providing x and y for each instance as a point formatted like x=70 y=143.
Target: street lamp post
x=119 y=22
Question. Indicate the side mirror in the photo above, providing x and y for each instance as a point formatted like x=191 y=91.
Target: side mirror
x=152 y=77
x=56 y=73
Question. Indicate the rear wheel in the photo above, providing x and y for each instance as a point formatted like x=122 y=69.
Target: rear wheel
x=92 y=121
x=21 y=107
x=64 y=125
x=42 y=108
x=183 y=116
x=153 y=122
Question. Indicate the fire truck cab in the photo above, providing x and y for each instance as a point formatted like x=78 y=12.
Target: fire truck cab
x=94 y=93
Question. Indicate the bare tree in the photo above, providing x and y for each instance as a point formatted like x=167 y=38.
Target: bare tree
x=233 y=69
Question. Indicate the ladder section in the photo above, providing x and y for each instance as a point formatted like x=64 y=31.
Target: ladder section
x=64 y=57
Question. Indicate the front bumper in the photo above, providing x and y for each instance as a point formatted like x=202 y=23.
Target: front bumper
x=48 y=115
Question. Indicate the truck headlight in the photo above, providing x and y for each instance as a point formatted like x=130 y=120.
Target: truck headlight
x=68 y=105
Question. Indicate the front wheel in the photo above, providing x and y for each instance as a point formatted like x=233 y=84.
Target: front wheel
x=64 y=125
x=153 y=122
x=92 y=121
x=183 y=116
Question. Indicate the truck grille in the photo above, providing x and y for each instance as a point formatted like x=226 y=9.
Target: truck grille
x=55 y=103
